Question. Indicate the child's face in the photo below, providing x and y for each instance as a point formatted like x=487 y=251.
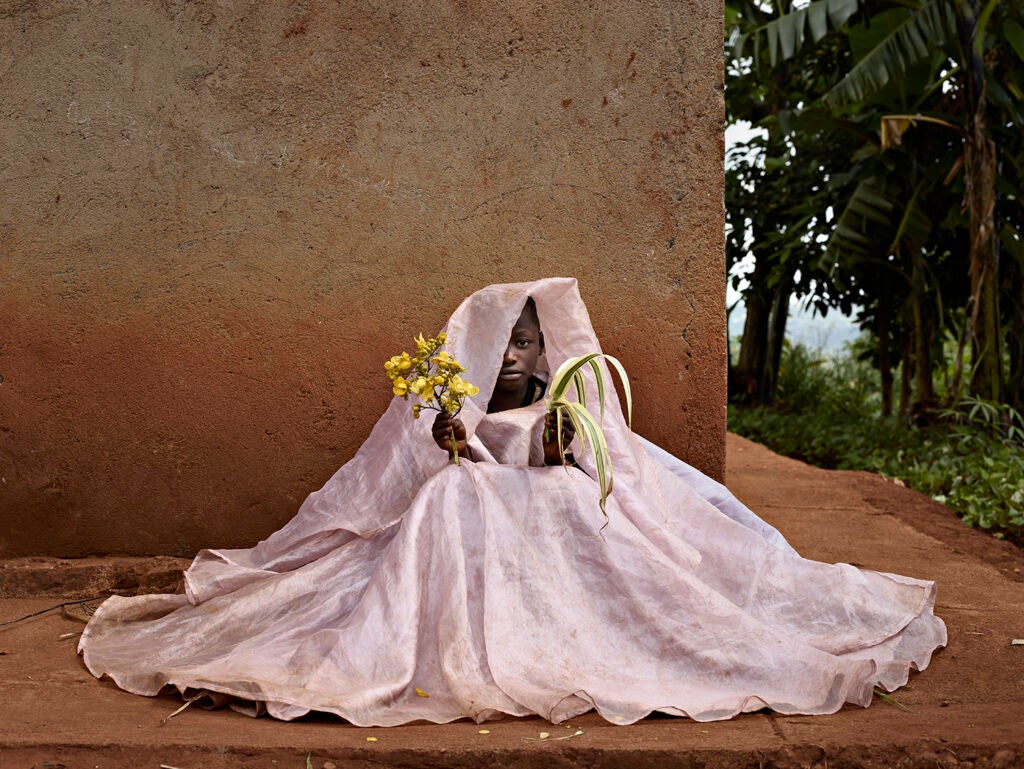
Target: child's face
x=520 y=361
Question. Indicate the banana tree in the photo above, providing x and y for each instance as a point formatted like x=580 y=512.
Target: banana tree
x=972 y=52
x=776 y=203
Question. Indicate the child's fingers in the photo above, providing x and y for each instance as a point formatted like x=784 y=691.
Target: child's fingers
x=551 y=423
x=444 y=427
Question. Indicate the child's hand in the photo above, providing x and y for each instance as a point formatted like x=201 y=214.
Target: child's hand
x=552 y=456
x=443 y=428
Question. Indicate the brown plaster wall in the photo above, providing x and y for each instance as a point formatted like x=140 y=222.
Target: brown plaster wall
x=217 y=219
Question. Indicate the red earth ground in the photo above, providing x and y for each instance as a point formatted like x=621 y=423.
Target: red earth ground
x=966 y=710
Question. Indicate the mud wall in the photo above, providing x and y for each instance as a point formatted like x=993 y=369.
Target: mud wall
x=218 y=218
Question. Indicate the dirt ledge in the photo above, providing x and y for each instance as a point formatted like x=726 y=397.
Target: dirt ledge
x=74 y=578
x=917 y=755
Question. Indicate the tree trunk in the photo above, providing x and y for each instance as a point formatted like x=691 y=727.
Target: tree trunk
x=979 y=180
x=776 y=338
x=906 y=376
x=884 y=331
x=1015 y=336
x=986 y=345
x=754 y=343
x=921 y=332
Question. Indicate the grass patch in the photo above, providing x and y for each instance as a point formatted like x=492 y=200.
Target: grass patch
x=828 y=414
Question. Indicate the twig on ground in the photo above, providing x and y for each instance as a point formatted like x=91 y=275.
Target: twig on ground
x=188 y=702
x=51 y=608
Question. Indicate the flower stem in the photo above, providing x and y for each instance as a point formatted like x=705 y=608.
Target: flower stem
x=455 y=449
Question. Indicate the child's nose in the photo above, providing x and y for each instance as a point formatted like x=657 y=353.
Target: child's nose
x=510 y=356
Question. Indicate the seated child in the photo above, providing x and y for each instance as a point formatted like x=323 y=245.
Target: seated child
x=516 y=387
x=410 y=588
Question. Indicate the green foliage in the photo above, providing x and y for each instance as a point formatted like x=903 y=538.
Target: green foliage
x=971 y=460
x=892 y=132
x=570 y=376
x=907 y=37
x=789 y=31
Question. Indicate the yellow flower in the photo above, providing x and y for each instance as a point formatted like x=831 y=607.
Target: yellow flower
x=431 y=375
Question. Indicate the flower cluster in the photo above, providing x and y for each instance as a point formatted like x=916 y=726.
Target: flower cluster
x=431 y=375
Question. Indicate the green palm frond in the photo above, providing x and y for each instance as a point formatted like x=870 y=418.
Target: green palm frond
x=868 y=212
x=570 y=373
x=1015 y=37
x=915 y=226
x=873 y=223
x=787 y=33
x=927 y=27
x=590 y=432
x=924 y=30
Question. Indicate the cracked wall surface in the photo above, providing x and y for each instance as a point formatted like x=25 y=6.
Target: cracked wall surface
x=218 y=219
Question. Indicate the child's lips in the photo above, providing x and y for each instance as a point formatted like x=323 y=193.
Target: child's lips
x=509 y=375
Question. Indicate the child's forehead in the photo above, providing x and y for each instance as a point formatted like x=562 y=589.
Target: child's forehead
x=528 y=317
x=526 y=322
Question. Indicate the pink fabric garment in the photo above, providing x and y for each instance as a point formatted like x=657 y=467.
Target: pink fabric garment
x=493 y=588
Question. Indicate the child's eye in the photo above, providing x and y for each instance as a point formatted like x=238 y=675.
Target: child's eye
x=523 y=343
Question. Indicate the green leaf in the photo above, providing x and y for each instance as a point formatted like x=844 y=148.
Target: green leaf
x=626 y=392
x=914 y=227
x=599 y=381
x=570 y=374
x=785 y=117
x=787 y=33
x=1015 y=37
x=1011 y=243
x=581 y=387
x=590 y=432
x=995 y=93
x=891 y=700
x=839 y=11
x=982 y=22
x=866 y=208
x=911 y=41
x=817 y=19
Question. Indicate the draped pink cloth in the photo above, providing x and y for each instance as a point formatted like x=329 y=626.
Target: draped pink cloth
x=493 y=588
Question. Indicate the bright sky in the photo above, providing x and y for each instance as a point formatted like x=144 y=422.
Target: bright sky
x=803 y=327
